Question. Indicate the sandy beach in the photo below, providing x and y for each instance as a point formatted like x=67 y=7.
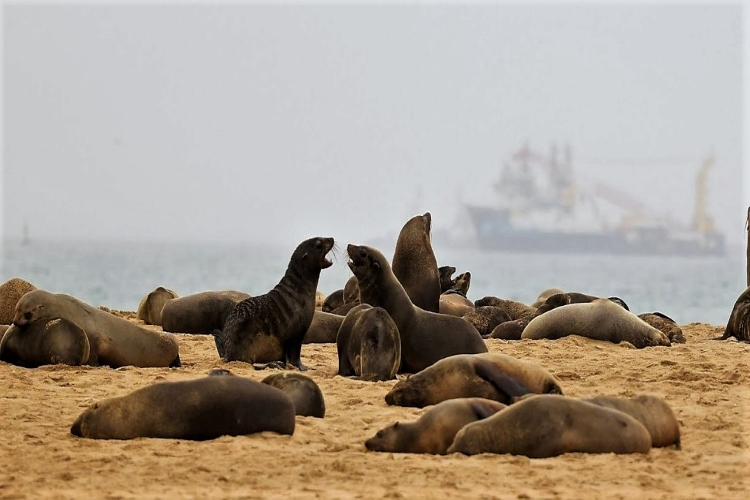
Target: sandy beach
x=704 y=381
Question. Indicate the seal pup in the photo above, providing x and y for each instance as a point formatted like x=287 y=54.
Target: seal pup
x=414 y=263
x=486 y=318
x=57 y=341
x=270 y=327
x=426 y=337
x=454 y=301
x=113 y=341
x=665 y=325
x=490 y=376
x=201 y=312
x=739 y=319
x=513 y=308
x=200 y=409
x=368 y=344
x=434 y=431
x=600 y=319
x=303 y=391
x=323 y=328
x=549 y=425
x=149 y=309
x=10 y=293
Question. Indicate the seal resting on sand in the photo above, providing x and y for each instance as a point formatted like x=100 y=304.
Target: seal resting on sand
x=302 y=390
x=200 y=409
x=368 y=344
x=738 y=325
x=414 y=263
x=323 y=328
x=665 y=325
x=426 y=337
x=201 y=312
x=113 y=341
x=149 y=309
x=57 y=341
x=270 y=327
x=434 y=431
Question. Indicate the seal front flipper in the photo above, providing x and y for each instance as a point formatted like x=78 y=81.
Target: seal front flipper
x=486 y=408
x=504 y=383
x=219 y=341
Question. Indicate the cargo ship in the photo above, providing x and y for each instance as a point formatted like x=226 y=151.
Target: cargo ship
x=542 y=209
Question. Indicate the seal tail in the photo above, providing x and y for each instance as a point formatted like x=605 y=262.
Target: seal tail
x=220 y=342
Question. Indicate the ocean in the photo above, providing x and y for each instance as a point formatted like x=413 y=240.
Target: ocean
x=118 y=274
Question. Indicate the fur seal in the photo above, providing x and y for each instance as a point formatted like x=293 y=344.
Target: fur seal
x=550 y=425
x=368 y=344
x=333 y=301
x=201 y=312
x=414 y=263
x=665 y=325
x=149 y=310
x=351 y=290
x=600 y=319
x=200 y=409
x=270 y=327
x=323 y=328
x=434 y=431
x=738 y=325
x=426 y=337
x=654 y=413
x=10 y=293
x=455 y=304
x=510 y=330
x=486 y=318
x=549 y=292
x=57 y=341
x=513 y=308
x=445 y=274
x=113 y=341
x=302 y=390
x=490 y=376
x=565 y=298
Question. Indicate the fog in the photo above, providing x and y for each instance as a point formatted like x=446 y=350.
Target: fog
x=275 y=123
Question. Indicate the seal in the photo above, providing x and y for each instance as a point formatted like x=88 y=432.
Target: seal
x=486 y=318
x=53 y=342
x=509 y=330
x=665 y=325
x=113 y=341
x=368 y=344
x=201 y=312
x=302 y=390
x=415 y=265
x=270 y=327
x=490 y=376
x=323 y=328
x=563 y=299
x=426 y=337
x=445 y=274
x=455 y=303
x=462 y=284
x=549 y=292
x=200 y=409
x=10 y=293
x=149 y=309
x=738 y=325
x=653 y=412
x=514 y=309
x=550 y=425
x=333 y=301
x=600 y=319
x=434 y=431
x=351 y=290
x=344 y=309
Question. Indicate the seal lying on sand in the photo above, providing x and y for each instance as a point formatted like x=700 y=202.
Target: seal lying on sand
x=113 y=341
x=600 y=319
x=738 y=325
x=490 y=376
x=434 y=431
x=57 y=341
x=550 y=425
x=199 y=409
x=10 y=293
x=426 y=337
x=323 y=328
x=415 y=265
x=513 y=308
x=665 y=325
x=201 y=312
x=149 y=309
x=302 y=390
x=368 y=344
x=271 y=327
x=486 y=318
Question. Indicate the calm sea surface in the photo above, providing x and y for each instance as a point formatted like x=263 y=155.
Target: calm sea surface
x=118 y=275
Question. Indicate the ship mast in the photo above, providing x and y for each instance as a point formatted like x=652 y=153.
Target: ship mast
x=702 y=222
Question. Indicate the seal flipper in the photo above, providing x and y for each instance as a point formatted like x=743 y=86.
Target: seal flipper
x=219 y=341
x=176 y=363
x=484 y=409
x=504 y=383
x=293 y=352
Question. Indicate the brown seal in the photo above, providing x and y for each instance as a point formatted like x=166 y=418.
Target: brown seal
x=57 y=341
x=270 y=327
x=486 y=318
x=415 y=265
x=491 y=376
x=654 y=413
x=665 y=325
x=600 y=319
x=333 y=301
x=201 y=312
x=200 y=409
x=434 y=431
x=323 y=328
x=351 y=290
x=426 y=337
x=368 y=344
x=149 y=310
x=550 y=425
x=445 y=274
x=509 y=330
x=513 y=308
x=113 y=341
x=302 y=390
x=10 y=293
x=344 y=309
x=738 y=325
x=455 y=304
x=545 y=295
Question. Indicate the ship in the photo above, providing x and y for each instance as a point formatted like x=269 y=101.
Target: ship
x=542 y=209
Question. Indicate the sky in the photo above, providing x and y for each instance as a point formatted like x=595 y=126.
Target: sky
x=275 y=123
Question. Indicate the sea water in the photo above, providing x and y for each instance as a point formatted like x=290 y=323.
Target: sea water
x=118 y=274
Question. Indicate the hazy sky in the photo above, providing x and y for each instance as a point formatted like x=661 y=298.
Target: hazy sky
x=278 y=123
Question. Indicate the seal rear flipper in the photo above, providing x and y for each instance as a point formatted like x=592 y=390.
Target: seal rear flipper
x=484 y=409
x=504 y=383
x=176 y=363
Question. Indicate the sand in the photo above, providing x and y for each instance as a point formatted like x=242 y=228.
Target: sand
x=705 y=382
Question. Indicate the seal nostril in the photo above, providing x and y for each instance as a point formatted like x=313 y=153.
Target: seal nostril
x=27 y=315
